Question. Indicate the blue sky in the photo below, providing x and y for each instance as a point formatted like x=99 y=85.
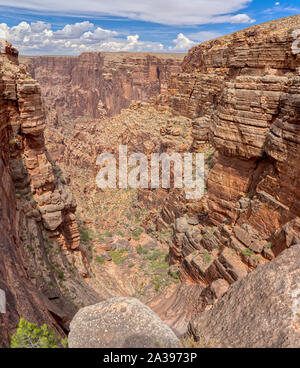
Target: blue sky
x=56 y=27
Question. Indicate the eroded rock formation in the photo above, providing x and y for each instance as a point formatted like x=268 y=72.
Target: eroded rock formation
x=37 y=207
x=99 y=84
x=242 y=92
x=261 y=310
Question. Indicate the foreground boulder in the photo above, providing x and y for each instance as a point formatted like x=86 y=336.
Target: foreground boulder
x=261 y=310
x=120 y=323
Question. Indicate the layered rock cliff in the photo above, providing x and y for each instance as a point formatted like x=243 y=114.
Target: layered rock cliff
x=242 y=93
x=99 y=84
x=39 y=239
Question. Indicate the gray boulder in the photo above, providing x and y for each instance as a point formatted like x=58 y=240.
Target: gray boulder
x=2 y=301
x=261 y=310
x=120 y=323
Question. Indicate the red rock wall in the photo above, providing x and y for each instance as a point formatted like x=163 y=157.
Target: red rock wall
x=242 y=92
x=97 y=84
x=35 y=202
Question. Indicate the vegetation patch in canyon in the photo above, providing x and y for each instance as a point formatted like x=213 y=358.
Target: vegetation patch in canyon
x=118 y=256
x=100 y=260
x=30 y=335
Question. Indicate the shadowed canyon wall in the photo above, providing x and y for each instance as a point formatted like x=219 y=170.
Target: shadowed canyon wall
x=37 y=208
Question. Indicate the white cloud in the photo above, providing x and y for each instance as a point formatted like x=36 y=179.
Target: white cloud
x=182 y=43
x=40 y=27
x=4 y=31
x=202 y=36
x=131 y=43
x=241 y=18
x=277 y=3
x=166 y=12
x=73 y=31
x=99 y=34
x=38 y=38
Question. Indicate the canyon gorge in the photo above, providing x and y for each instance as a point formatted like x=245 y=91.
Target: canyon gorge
x=223 y=269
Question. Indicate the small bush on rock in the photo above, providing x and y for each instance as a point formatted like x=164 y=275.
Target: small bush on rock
x=30 y=335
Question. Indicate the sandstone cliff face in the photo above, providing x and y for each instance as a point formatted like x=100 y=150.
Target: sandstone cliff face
x=37 y=208
x=99 y=84
x=242 y=94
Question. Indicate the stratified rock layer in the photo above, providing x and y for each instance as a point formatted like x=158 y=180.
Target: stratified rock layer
x=99 y=84
x=242 y=91
x=242 y=94
x=36 y=208
x=260 y=311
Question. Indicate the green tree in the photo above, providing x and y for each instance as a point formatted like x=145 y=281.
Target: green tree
x=30 y=335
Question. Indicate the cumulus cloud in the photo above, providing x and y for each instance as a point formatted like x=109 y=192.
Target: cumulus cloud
x=3 y=30
x=173 y=12
x=132 y=43
x=73 y=31
x=40 y=26
x=241 y=18
x=99 y=34
x=182 y=43
x=38 y=38
x=202 y=36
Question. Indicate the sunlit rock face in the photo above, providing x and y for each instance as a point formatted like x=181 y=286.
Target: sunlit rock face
x=242 y=93
x=100 y=84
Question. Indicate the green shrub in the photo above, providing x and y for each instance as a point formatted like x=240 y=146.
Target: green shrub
x=137 y=233
x=61 y=275
x=206 y=257
x=86 y=235
x=174 y=275
x=210 y=232
x=140 y=250
x=269 y=245
x=108 y=234
x=248 y=252
x=155 y=255
x=29 y=335
x=157 y=283
x=100 y=260
x=118 y=256
x=159 y=260
x=210 y=160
